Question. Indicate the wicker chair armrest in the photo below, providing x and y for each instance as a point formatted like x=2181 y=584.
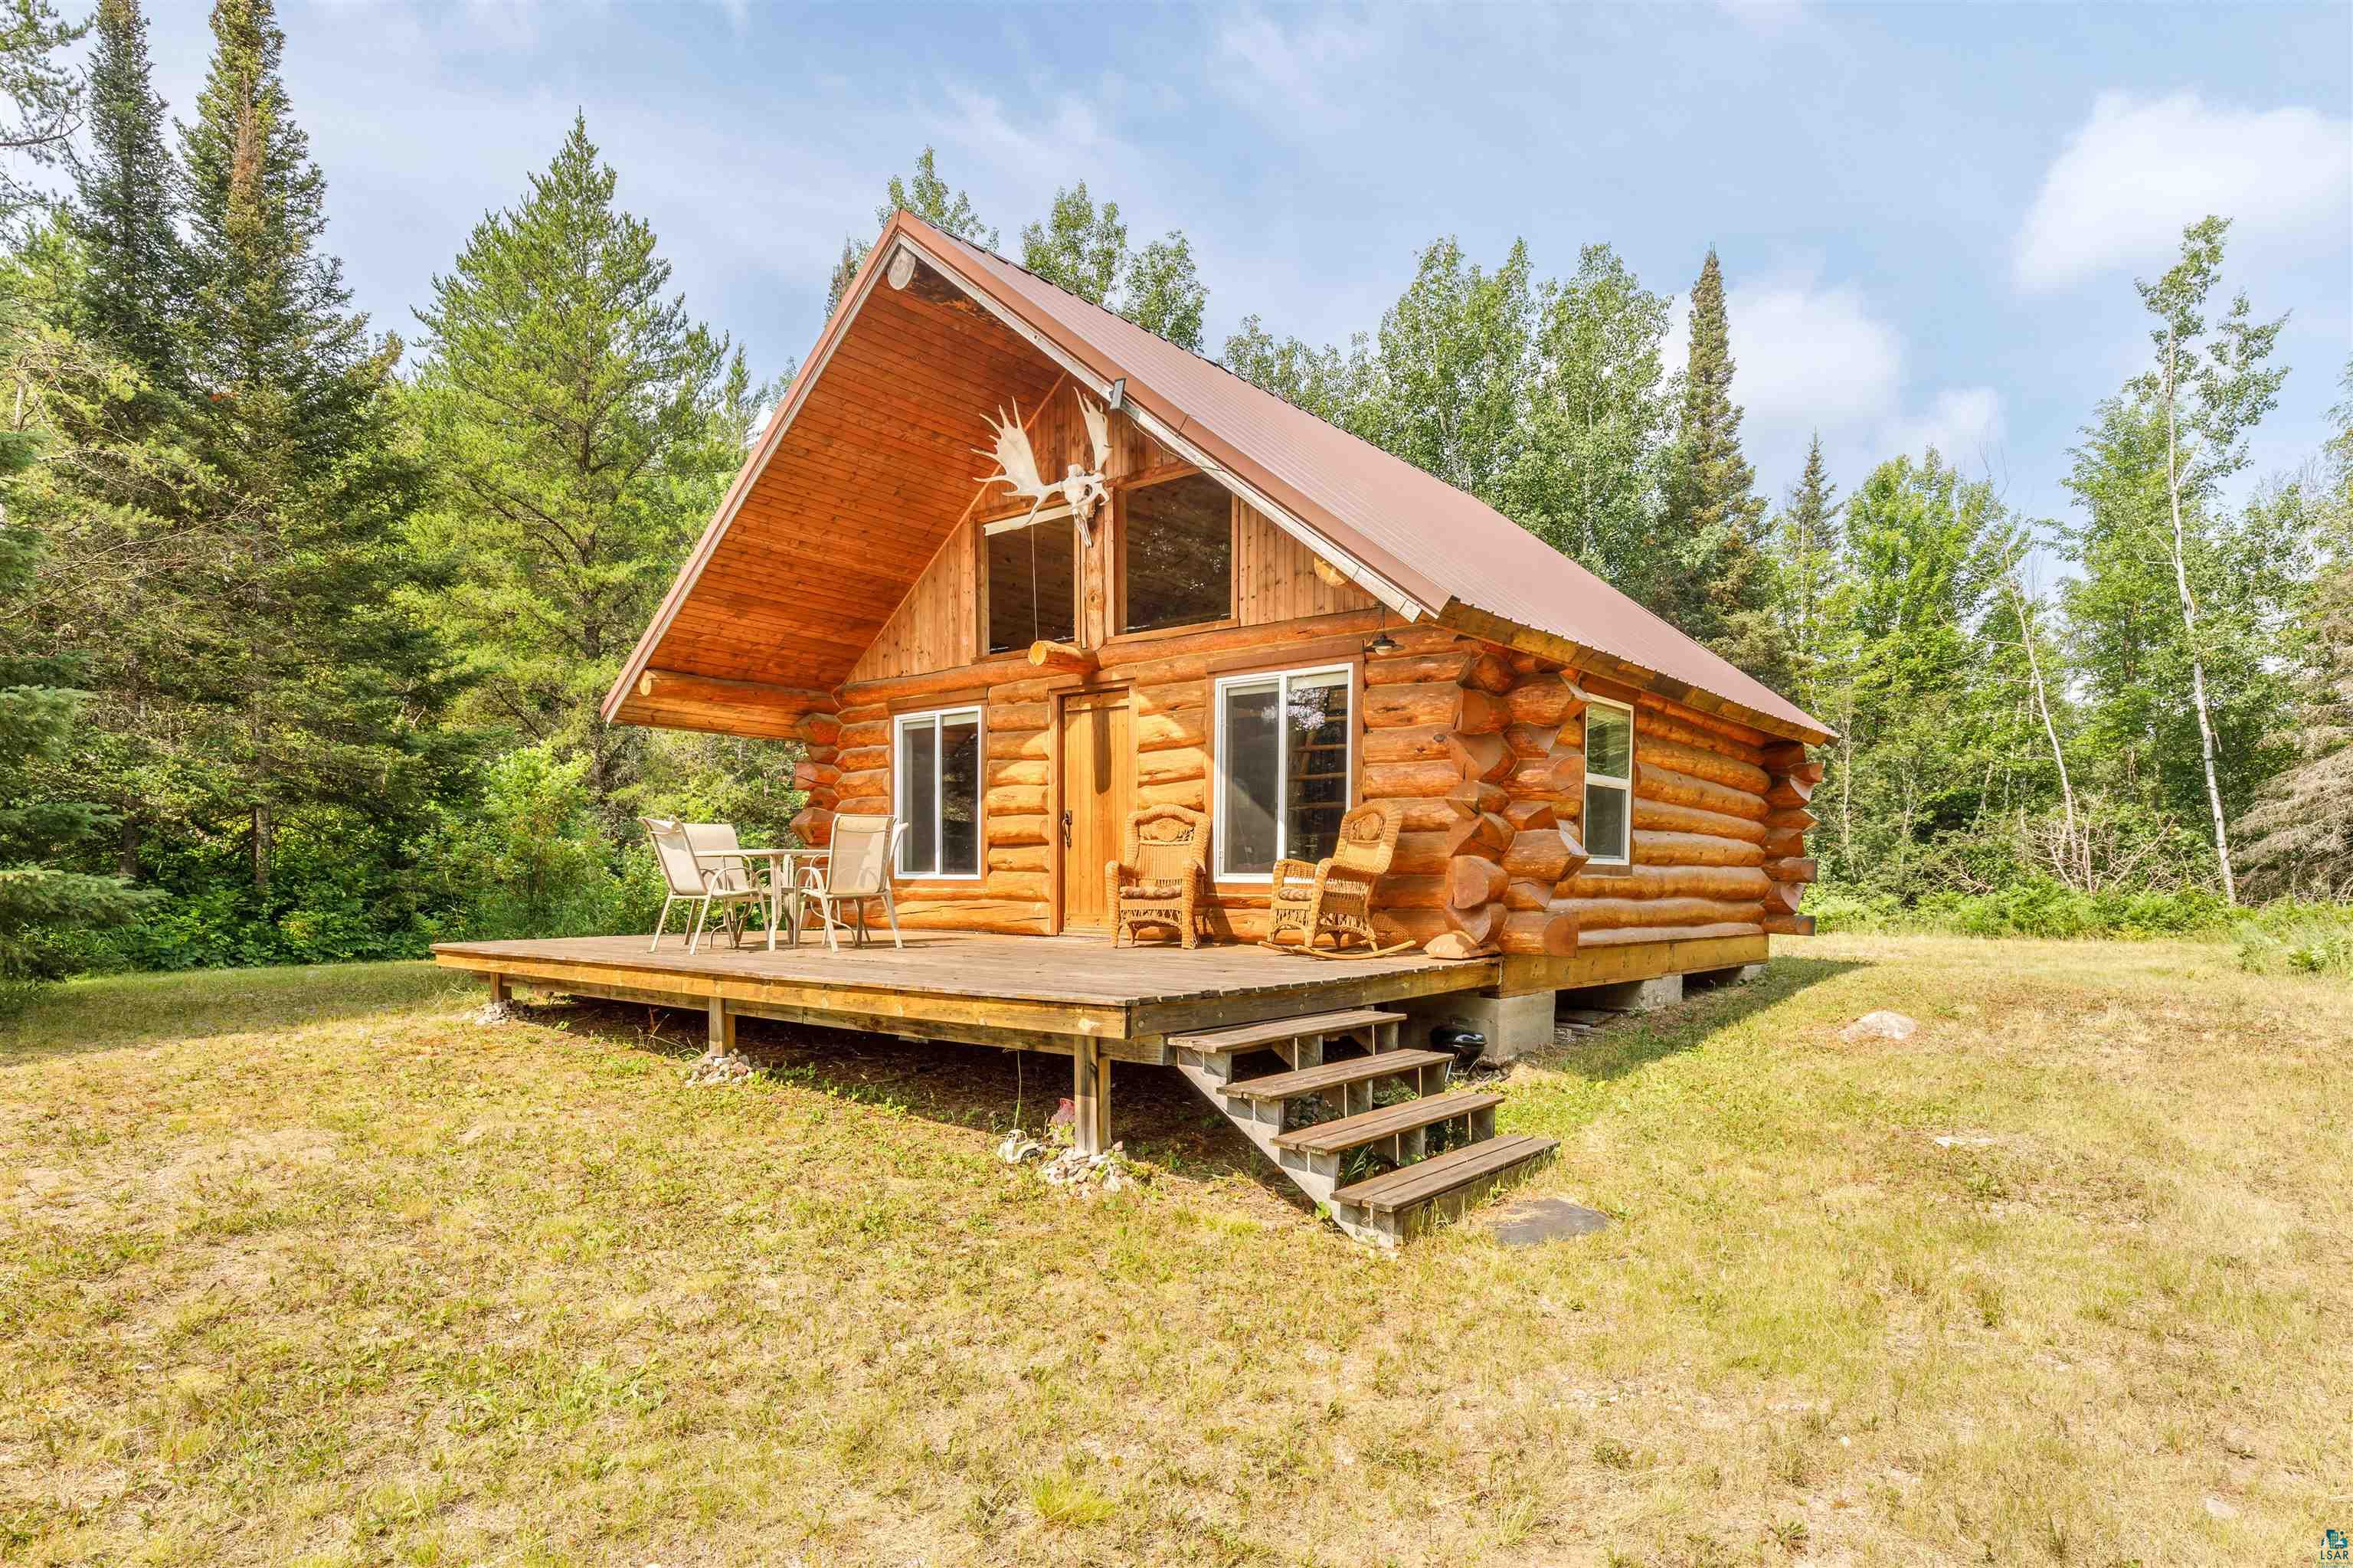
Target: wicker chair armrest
x=1287 y=869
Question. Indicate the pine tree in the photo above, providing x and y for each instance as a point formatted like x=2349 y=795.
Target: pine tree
x=323 y=689
x=1809 y=557
x=38 y=707
x=2300 y=834
x=1720 y=586
x=43 y=94
x=127 y=201
x=584 y=428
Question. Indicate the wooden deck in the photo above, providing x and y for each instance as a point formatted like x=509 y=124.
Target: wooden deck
x=1032 y=993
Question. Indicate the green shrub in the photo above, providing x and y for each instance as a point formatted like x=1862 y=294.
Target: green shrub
x=2047 y=910
x=2300 y=939
x=528 y=860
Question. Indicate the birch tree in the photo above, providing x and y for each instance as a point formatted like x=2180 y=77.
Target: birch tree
x=2213 y=387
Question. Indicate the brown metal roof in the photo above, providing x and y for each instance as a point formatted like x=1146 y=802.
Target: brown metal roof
x=1438 y=543
x=1446 y=552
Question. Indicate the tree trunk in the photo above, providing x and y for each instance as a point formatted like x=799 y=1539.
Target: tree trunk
x=262 y=830
x=2189 y=635
x=2077 y=849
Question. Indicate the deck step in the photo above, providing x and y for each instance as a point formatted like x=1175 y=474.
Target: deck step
x=1410 y=1185
x=1387 y=1121
x=1335 y=1075
x=1278 y=1030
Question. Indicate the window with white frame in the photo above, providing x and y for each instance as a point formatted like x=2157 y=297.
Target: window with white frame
x=1282 y=768
x=1609 y=782
x=937 y=762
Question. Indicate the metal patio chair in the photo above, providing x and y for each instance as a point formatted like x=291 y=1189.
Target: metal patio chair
x=865 y=847
x=726 y=884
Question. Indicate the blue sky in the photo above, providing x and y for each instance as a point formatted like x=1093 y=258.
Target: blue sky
x=1929 y=216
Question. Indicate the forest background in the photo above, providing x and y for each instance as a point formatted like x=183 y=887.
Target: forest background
x=304 y=625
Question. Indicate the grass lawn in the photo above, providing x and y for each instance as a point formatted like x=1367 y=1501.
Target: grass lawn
x=313 y=1266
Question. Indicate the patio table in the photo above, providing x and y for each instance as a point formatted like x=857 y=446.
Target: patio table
x=784 y=881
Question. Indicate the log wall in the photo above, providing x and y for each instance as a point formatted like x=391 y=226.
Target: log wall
x=1480 y=749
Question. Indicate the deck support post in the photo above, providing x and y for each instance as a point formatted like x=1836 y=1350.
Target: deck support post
x=723 y=1028
x=501 y=992
x=1090 y=1097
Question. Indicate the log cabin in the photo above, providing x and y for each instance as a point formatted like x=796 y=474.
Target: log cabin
x=1229 y=606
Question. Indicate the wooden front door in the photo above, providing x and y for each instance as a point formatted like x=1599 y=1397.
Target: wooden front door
x=1098 y=763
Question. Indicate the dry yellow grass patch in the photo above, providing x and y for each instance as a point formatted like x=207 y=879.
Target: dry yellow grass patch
x=310 y=1267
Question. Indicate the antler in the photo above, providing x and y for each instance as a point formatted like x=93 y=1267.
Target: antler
x=1098 y=431
x=1017 y=465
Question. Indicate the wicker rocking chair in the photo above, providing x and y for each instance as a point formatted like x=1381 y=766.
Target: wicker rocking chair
x=1163 y=879
x=1333 y=897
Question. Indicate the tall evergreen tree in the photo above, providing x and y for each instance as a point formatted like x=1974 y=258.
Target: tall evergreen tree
x=43 y=95
x=1808 y=545
x=326 y=689
x=39 y=702
x=126 y=207
x=1720 y=589
x=39 y=827
x=2301 y=831
x=584 y=429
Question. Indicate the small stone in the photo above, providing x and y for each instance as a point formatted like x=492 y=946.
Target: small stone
x=2221 y=1509
x=493 y=1013
x=1880 y=1025
x=1531 y=1222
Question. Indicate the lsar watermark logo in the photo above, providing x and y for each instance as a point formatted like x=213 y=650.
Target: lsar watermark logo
x=2335 y=1547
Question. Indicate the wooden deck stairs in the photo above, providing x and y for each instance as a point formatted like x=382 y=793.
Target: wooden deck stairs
x=1411 y=1187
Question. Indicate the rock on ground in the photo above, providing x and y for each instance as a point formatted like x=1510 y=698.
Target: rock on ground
x=1880 y=1025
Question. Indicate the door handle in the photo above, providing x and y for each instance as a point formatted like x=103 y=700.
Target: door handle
x=1066 y=829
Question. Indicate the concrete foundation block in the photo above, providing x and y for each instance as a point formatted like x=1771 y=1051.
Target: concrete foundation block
x=1628 y=996
x=1513 y=1025
x=1739 y=974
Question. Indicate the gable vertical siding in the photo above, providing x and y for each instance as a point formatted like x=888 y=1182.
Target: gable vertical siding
x=937 y=625
x=1274 y=575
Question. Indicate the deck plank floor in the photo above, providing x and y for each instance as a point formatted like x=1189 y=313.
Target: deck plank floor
x=1077 y=986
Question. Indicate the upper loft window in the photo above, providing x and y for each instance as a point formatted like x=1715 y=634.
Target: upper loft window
x=1178 y=545
x=1609 y=782
x=1033 y=583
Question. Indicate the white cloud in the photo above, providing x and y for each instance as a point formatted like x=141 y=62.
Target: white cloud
x=1027 y=144
x=1963 y=423
x=1766 y=16
x=2139 y=170
x=1817 y=359
x=1298 y=73
x=1812 y=356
